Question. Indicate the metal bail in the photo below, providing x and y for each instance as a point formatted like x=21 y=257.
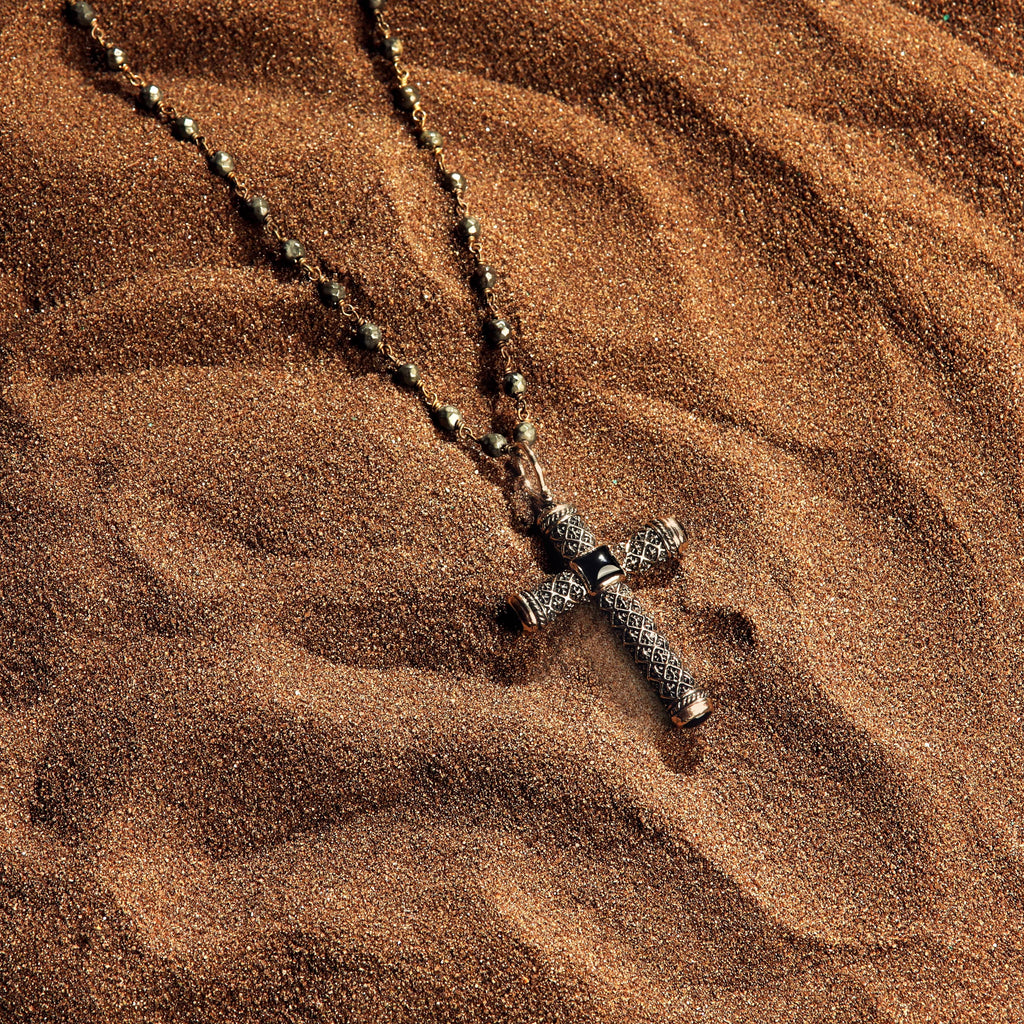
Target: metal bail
x=531 y=475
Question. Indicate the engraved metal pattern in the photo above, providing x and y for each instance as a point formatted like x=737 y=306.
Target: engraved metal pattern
x=555 y=595
x=650 y=649
x=567 y=531
x=649 y=545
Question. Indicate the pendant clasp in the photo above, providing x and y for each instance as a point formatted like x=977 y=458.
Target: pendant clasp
x=531 y=475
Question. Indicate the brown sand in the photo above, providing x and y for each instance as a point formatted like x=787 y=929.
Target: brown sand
x=266 y=754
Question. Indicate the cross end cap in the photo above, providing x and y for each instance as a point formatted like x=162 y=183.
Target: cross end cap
x=526 y=615
x=687 y=715
x=675 y=533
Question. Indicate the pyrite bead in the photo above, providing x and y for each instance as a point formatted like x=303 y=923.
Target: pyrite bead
x=430 y=138
x=497 y=331
x=469 y=229
x=256 y=209
x=525 y=433
x=81 y=15
x=150 y=97
x=115 y=58
x=408 y=375
x=515 y=384
x=485 y=278
x=448 y=418
x=292 y=250
x=222 y=164
x=373 y=5
x=392 y=47
x=494 y=444
x=184 y=129
x=455 y=182
x=330 y=293
x=406 y=97
x=368 y=336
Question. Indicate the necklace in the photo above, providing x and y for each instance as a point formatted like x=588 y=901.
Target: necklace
x=593 y=571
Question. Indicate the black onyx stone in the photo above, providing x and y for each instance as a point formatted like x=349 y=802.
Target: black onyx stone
x=598 y=569
x=256 y=209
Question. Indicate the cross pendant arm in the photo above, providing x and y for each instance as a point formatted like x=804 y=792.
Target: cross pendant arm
x=547 y=600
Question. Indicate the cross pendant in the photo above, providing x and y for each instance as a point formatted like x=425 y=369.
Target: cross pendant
x=600 y=573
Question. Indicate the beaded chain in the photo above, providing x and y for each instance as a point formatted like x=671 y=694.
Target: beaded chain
x=330 y=291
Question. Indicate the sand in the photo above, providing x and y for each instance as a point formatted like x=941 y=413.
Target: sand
x=268 y=752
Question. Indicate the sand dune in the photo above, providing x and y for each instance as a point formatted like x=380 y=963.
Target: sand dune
x=269 y=752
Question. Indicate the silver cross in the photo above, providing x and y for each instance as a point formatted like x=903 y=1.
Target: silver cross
x=600 y=573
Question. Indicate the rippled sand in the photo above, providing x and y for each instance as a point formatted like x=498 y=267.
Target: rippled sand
x=267 y=752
